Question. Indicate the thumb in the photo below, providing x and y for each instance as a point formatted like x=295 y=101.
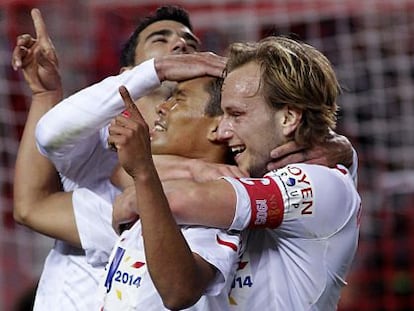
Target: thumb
x=131 y=111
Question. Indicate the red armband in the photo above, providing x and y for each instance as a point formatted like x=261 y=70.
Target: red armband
x=266 y=202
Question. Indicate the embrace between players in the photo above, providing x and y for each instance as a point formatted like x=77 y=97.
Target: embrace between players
x=269 y=232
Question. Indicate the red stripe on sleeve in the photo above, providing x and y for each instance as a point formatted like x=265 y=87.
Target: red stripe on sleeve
x=226 y=243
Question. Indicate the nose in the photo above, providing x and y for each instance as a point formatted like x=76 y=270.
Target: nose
x=179 y=46
x=225 y=129
x=162 y=108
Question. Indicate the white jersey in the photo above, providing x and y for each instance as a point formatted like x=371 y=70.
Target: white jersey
x=126 y=284
x=70 y=135
x=302 y=263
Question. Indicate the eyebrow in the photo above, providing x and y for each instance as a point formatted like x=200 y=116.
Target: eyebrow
x=179 y=92
x=168 y=32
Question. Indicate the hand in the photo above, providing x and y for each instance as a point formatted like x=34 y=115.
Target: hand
x=336 y=149
x=124 y=208
x=129 y=134
x=179 y=67
x=37 y=58
x=202 y=171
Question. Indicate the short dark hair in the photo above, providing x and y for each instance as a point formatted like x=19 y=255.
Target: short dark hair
x=165 y=12
x=213 y=107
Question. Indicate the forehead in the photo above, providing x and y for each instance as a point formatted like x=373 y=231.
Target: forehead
x=195 y=91
x=194 y=86
x=173 y=26
x=243 y=82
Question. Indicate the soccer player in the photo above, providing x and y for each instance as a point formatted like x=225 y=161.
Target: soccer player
x=276 y=90
x=187 y=108
x=167 y=31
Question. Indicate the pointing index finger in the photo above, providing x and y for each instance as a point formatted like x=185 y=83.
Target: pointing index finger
x=39 y=25
x=129 y=104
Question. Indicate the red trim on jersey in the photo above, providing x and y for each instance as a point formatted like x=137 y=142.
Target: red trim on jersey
x=343 y=171
x=266 y=202
x=226 y=243
x=137 y=264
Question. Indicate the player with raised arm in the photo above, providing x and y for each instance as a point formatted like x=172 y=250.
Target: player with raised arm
x=90 y=163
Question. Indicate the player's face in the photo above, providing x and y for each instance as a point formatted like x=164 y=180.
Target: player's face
x=159 y=39
x=182 y=126
x=249 y=126
x=163 y=38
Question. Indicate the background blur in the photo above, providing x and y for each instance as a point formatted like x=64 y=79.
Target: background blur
x=371 y=45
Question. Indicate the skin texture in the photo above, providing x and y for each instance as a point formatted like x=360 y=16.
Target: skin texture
x=165 y=37
x=246 y=115
x=181 y=122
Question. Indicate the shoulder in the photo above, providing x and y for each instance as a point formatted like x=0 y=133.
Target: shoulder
x=317 y=196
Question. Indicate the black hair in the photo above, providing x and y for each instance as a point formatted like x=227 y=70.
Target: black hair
x=213 y=107
x=165 y=12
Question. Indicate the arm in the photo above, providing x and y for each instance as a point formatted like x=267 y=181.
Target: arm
x=37 y=202
x=169 y=259
x=83 y=113
x=35 y=176
x=171 y=167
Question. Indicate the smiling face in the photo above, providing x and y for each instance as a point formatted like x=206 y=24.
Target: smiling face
x=249 y=126
x=183 y=128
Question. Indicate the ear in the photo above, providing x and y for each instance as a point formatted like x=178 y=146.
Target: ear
x=212 y=129
x=291 y=120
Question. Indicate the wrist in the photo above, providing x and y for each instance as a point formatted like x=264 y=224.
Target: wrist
x=55 y=94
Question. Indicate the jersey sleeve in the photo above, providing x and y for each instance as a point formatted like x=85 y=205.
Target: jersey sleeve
x=297 y=200
x=93 y=216
x=219 y=248
x=84 y=113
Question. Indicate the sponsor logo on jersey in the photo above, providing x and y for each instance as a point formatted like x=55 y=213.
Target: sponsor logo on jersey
x=291 y=181
x=298 y=190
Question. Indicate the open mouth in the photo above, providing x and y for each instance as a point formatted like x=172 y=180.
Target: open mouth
x=236 y=150
x=159 y=127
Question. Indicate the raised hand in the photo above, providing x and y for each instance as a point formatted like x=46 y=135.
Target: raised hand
x=129 y=133
x=37 y=58
x=179 y=67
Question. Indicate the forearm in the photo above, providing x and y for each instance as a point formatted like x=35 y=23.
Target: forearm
x=171 y=167
x=35 y=176
x=210 y=204
x=88 y=110
x=169 y=258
